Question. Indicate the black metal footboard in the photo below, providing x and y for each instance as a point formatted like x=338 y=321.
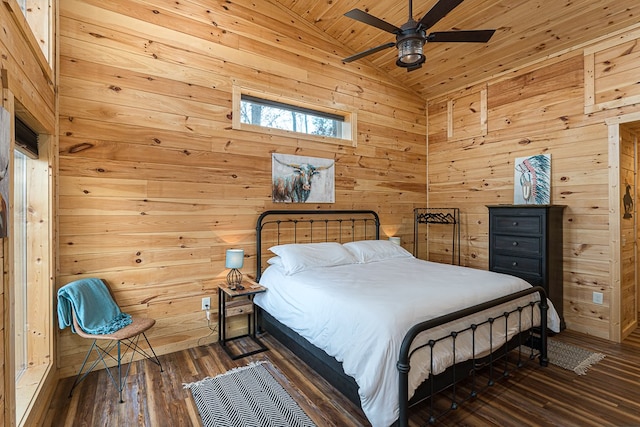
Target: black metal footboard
x=458 y=372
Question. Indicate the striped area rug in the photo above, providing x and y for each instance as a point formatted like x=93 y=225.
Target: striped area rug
x=246 y=397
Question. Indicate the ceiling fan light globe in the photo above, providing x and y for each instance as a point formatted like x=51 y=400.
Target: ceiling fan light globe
x=410 y=59
x=410 y=52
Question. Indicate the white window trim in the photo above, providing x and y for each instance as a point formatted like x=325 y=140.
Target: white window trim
x=349 y=127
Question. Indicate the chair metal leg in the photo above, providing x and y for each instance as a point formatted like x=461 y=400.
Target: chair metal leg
x=101 y=353
x=120 y=385
x=79 y=379
x=157 y=361
x=131 y=344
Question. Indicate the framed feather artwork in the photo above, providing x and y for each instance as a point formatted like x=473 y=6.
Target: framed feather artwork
x=532 y=180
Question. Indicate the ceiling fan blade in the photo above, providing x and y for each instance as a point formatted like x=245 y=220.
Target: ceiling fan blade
x=437 y=12
x=362 y=16
x=368 y=52
x=471 y=36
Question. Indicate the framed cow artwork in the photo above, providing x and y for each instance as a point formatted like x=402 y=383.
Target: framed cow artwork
x=300 y=179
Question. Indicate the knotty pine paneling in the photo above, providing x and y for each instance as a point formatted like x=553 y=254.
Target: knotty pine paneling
x=26 y=72
x=154 y=185
x=526 y=33
x=615 y=72
x=27 y=88
x=539 y=110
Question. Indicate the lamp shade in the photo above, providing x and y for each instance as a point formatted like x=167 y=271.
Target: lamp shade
x=235 y=258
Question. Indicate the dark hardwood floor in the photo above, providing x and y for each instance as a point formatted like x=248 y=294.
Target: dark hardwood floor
x=609 y=395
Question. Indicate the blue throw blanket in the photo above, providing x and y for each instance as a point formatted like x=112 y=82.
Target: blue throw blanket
x=96 y=311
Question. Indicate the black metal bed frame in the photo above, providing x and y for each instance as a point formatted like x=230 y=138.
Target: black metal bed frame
x=445 y=382
x=351 y=219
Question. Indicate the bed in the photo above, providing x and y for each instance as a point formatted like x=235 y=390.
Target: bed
x=387 y=329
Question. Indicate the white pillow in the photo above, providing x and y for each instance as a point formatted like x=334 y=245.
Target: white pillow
x=302 y=256
x=376 y=250
x=275 y=260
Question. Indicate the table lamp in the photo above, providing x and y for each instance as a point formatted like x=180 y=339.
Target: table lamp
x=234 y=261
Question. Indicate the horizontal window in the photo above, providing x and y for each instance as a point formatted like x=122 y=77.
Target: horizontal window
x=278 y=115
x=261 y=112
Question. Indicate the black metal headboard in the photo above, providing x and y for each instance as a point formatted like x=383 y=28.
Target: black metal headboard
x=277 y=227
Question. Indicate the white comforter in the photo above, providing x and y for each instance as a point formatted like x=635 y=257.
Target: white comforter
x=359 y=314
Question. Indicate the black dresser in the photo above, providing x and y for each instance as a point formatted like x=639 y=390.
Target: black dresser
x=526 y=241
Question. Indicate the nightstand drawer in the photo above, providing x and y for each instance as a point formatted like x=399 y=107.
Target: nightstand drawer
x=517 y=265
x=515 y=224
x=518 y=245
x=235 y=308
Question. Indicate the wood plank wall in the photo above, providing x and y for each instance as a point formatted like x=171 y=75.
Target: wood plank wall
x=27 y=89
x=154 y=185
x=537 y=110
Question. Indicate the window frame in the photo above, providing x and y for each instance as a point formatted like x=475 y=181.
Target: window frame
x=39 y=275
x=349 y=128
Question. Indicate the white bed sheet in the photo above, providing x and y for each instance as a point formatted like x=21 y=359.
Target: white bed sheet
x=359 y=314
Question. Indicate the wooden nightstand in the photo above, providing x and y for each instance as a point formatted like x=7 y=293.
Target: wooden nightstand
x=236 y=303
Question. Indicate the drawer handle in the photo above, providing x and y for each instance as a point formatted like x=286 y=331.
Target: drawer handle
x=515 y=243
x=515 y=223
x=514 y=263
x=241 y=310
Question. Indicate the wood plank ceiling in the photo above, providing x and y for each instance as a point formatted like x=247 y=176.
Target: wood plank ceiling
x=527 y=30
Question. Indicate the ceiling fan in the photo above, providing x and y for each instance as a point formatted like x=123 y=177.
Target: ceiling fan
x=412 y=36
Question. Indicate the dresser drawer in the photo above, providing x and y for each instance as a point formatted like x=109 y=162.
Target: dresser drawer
x=515 y=224
x=518 y=245
x=517 y=266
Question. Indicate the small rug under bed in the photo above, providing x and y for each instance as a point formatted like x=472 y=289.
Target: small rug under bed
x=571 y=357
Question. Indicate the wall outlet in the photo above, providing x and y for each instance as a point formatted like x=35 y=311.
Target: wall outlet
x=206 y=303
x=597 y=298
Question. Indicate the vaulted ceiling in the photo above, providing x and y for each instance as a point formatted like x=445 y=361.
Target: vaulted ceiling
x=527 y=30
